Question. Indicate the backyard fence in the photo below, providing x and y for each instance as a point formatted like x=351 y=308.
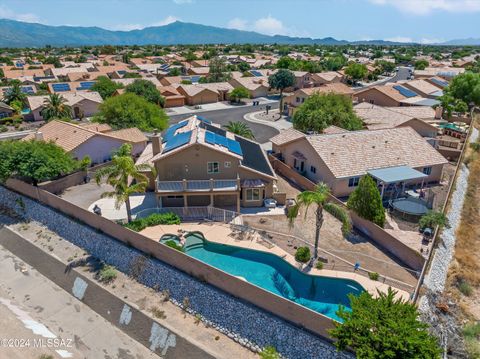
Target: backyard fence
x=188 y=214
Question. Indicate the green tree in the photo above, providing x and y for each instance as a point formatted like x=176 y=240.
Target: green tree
x=281 y=80
x=218 y=70
x=120 y=174
x=356 y=71
x=385 y=67
x=132 y=75
x=55 y=108
x=433 y=219
x=240 y=128
x=15 y=93
x=34 y=161
x=322 y=110
x=384 y=327
x=105 y=87
x=318 y=198
x=421 y=64
x=464 y=87
x=284 y=62
x=334 y=63
x=129 y=110
x=174 y=71
x=366 y=201
x=243 y=66
x=239 y=93
x=147 y=90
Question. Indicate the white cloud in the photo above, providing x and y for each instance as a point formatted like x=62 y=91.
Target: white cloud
x=181 y=2
x=267 y=25
x=6 y=13
x=400 y=39
x=270 y=26
x=127 y=27
x=427 y=41
x=424 y=7
x=238 y=24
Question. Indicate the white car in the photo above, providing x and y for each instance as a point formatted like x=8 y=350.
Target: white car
x=269 y=203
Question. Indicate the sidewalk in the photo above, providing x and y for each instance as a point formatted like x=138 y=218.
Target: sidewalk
x=225 y=105
x=268 y=120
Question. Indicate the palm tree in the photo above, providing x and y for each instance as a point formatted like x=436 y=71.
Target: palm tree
x=119 y=175
x=55 y=107
x=240 y=128
x=15 y=93
x=305 y=199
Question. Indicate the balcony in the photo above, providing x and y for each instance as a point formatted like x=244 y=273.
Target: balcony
x=210 y=185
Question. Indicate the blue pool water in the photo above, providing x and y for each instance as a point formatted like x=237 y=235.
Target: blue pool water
x=270 y=272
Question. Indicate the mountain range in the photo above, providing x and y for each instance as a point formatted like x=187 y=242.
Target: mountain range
x=22 y=34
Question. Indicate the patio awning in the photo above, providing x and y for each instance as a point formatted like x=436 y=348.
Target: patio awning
x=396 y=174
x=252 y=183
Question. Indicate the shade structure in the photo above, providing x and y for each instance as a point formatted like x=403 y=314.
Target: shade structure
x=396 y=174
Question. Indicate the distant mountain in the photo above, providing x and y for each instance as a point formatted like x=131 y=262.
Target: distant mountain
x=22 y=34
x=463 y=42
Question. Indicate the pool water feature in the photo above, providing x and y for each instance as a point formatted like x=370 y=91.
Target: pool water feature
x=270 y=272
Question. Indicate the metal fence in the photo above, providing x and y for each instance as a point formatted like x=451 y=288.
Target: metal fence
x=188 y=214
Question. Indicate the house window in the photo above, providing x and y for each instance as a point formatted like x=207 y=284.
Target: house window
x=227 y=164
x=213 y=167
x=353 y=182
x=253 y=194
x=3 y=115
x=298 y=99
x=313 y=169
x=427 y=170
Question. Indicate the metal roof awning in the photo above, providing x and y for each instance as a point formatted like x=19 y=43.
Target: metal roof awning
x=396 y=174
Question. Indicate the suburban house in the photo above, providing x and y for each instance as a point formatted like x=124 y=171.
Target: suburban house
x=94 y=140
x=328 y=77
x=200 y=164
x=376 y=117
x=256 y=86
x=173 y=97
x=388 y=95
x=177 y=80
x=291 y=102
x=341 y=159
x=303 y=79
x=26 y=89
x=83 y=104
x=446 y=73
x=200 y=71
x=5 y=110
x=199 y=94
x=62 y=87
x=424 y=88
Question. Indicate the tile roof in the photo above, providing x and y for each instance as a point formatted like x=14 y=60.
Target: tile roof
x=35 y=102
x=354 y=153
x=422 y=86
x=286 y=136
x=69 y=135
x=336 y=87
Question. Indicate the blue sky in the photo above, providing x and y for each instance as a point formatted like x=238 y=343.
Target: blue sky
x=398 y=20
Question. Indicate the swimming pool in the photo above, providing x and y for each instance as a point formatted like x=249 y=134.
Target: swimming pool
x=268 y=271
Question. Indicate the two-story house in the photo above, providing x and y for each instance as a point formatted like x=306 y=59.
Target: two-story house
x=200 y=164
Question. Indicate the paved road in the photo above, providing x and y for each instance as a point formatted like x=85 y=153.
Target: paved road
x=402 y=74
x=34 y=309
x=262 y=132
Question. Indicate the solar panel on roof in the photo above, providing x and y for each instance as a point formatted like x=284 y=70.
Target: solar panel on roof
x=61 y=87
x=177 y=141
x=234 y=146
x=404 y=91
x=256 y=73
x=27 y=89
x=439 y=82
x=172 y=129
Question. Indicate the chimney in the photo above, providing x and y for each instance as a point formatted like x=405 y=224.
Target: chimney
x=156 y=140
x=38 y=136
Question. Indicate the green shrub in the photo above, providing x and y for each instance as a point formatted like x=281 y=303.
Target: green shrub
x=172 y=244
x=465 y=288
x=107 y=274
x=341 y=214
x=3 y=128
x=153 y=220
x=302 y=254
x=319 y=265
x=475 y=146
x=269 y=352
x=471 y=333
x=373 y=275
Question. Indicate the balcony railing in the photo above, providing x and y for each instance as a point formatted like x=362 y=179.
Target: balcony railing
x=198 y=185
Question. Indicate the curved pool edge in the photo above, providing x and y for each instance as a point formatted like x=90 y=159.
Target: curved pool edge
x=367 y=284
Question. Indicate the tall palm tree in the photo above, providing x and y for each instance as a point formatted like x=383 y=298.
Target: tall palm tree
x=305 y=199
x=125 y=177
x=15 y=93
x=55 y=107
x=240 y=128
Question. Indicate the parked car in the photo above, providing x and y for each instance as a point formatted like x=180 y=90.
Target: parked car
x=269 y=203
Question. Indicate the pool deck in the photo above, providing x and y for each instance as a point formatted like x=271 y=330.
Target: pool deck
x=222 y=234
